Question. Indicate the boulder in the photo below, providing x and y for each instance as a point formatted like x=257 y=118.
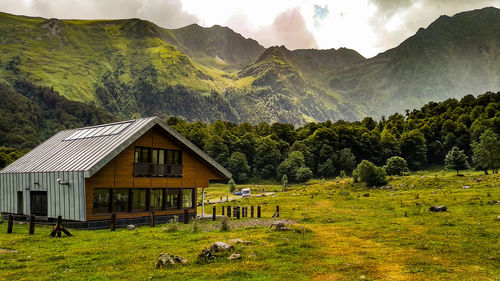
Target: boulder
x=215 y=251
x=218 y=247
x=165 y=260
x=279 y=226
x=438 y=208
x=235 y=256
x=131 y=227
x=366 y=195
x=465 y=187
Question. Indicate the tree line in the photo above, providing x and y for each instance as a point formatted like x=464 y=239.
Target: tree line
x=419 y=139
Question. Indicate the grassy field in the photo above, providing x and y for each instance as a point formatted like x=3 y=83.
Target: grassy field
x=337 y=234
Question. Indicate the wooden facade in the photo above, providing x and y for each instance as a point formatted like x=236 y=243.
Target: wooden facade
x=119 y=173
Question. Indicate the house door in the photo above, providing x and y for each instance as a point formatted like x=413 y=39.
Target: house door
x=38 y=203
x=20 y=203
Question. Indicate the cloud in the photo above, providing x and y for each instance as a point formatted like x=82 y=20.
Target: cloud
x=165 y=13
x=288 y=28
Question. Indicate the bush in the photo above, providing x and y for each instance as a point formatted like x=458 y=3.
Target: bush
x=303 y=174
x=232 y=185
x=396 y=166
x=370 y=174
x=284 y=181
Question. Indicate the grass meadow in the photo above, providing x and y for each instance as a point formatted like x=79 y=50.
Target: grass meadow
x=337 y=233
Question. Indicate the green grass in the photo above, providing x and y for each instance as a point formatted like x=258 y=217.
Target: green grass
x=389 y=235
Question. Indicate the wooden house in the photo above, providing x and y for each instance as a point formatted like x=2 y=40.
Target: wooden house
x=128 y=168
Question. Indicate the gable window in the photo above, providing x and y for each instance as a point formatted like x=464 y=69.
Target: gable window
x=156 y=162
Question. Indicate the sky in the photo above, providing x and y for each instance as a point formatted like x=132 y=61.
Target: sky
x=367 y=26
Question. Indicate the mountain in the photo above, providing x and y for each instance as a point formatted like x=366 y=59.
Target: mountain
x=452 y=57
x=134 y=68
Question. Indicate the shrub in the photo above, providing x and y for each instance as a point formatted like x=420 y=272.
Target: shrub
x=284 y=181
x=224 y=225
x=396 y=166
x=232 y=185
x=303 y=174
x=370 y=174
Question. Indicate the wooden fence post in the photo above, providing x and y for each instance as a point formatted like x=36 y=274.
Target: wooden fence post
x=10 y=223
x=238 y=212
x=113 y=222
x=32 y=225
x=277 y=211
x=213 y=213
x=152 y=219
x=186 y=217
x=259 y=210
x=251 y=211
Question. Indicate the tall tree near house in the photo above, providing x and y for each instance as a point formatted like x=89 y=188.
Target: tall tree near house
x=456 y=160
x=487 y=151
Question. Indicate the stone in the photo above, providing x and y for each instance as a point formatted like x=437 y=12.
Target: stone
x=220 y=247
x=165 y=260
x=279 y=226
x=493 y=202
x=235 y=256
x=215 y=251
x=465 y=187
x=438 y=208
x=498 y=218
x=131 y=227
x=366 y=195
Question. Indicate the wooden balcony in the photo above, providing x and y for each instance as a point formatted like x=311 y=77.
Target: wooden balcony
x=157 y=170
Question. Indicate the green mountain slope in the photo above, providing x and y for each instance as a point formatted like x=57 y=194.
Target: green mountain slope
x=134 y=68
x=452 y=57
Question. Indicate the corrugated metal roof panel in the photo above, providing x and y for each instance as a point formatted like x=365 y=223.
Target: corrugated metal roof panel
x=89 y=149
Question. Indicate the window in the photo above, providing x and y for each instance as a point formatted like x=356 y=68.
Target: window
x=174 y=157
x=101 y=201
x=157 y=199
x=172 y=198
x=187 y=198
x=122 y=199
x=140 y=202
x=142 y=155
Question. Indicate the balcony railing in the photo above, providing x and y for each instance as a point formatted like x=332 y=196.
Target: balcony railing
x=157 y=170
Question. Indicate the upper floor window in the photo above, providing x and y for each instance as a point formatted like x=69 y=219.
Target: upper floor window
x=157 y=162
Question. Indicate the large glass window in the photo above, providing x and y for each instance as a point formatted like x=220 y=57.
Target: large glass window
x=121 y=199
x=139 y=196
x=174 y=157
x=101 y=201
x=142 y=155
x=187 y=198
x=157 y=199
x=172 y=198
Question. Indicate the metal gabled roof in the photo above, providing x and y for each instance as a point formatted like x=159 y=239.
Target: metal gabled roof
x=89 y=149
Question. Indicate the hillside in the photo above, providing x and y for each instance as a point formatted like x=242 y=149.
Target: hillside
x=134 y=68
x=452 y=57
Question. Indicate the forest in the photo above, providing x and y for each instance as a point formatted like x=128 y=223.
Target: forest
x=422 y=138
